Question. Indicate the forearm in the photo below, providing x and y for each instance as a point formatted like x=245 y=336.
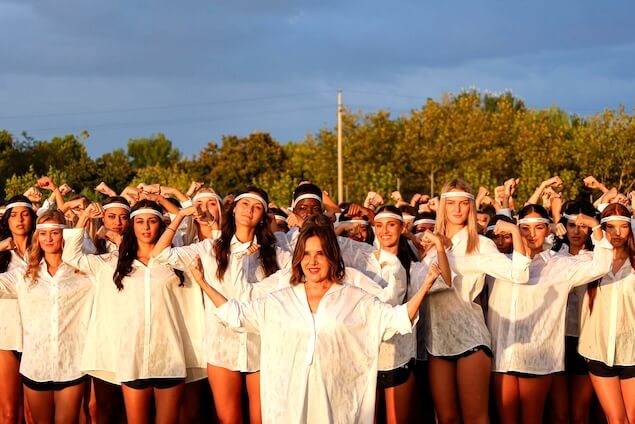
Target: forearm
x=444 y=265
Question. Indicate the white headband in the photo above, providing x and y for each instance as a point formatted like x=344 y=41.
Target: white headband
x=533 y=221
x=46 y=226
x=307 y=196
x=206 y=195
x=357 y=221
x=148 y=211
x=280 y=218
x=390 y=215
x=252 y=196
x=615 y=218
x=457 y=194
x=116 y=205
x=408 y=217
x=424 y=221
x=570 y=217
x=490 y=228
x=17 y=204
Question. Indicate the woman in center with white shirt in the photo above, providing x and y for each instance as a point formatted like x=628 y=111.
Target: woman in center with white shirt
x=328 y=373
x=457 y=338
x=527 y=321
x=231 y=357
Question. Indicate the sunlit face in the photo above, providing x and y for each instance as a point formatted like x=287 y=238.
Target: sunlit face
x=577 y=234
x=457 y=209
x=20 y=221
x=146 y=227
x=50 y=240
x=209 y=204
x=483 y=219
x=534 y=233
x=315 y=265
x=358 y=233
x=116 y=220
x=306 y=207
x=387 y=231
x=504 y=242
x=617 y=232
x=248 y=212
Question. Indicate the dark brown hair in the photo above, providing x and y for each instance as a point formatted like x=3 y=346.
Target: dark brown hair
x=321 y=227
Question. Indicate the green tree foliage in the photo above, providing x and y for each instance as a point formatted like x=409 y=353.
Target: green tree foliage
x=115 y=169
x=156 y=150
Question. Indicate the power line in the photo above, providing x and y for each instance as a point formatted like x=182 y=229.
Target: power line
x=164 y=107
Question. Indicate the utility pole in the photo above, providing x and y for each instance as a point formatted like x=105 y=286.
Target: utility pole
x=340 y=166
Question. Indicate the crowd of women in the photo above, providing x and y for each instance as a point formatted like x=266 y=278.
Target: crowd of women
x=154 y=305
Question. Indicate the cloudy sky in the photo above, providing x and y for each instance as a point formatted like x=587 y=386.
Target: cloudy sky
x=199 y=69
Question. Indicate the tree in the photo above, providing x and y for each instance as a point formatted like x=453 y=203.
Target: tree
x=156 y=150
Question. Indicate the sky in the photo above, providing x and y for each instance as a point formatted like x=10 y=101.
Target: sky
x=197 y=70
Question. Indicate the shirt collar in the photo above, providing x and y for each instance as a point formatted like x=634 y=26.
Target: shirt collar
x=236 y=245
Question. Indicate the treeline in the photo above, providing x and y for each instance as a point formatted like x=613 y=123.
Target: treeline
x=482 y=138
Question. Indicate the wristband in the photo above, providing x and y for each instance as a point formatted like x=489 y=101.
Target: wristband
x=597 y=227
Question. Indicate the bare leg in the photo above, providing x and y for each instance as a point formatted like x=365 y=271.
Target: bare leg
x=398 y=401
x=41 y=404
x=252 y=381
x=533 y=395
x=628 y=391
x=137 y=404
x=168 y=404
x=473 y=373
x=507 y=397
x=10 y=388
x=109 y=403
x=226 y=388
x=609 y=392
x=559 y=400
x=444 y=390
x=68 y=404
x=581 y=391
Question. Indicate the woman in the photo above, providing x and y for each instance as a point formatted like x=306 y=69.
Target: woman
x=207 y=222
x=16 y=230
x=607 y=338
x=55 y=304
x=328 y=374
x=135 y=336
x=231 y=358
x=527 y=320
x=456 y=336
x=571 y=392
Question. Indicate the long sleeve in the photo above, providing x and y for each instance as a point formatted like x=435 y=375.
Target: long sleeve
x=74 y=256
x=8 y=282
x=495 y=264
x=242 y=316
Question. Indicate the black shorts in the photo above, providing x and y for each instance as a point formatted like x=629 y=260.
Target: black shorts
x=525 y=374
x=18 y=355
x=157 y=383
x=455 y=358
x=574 y=363
x=396 y=377
x=51 y=385
x=600 y=369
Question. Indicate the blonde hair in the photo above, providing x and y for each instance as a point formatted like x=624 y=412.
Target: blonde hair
x=191 y=231
x=472 y=226
x=35 y=251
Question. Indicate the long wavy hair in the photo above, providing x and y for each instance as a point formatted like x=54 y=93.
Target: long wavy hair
x=472 y=224
x=617 y=209
x=5 y=232
x=266 y=239
x=129 y=246
x=35 y=250
x=321 y=227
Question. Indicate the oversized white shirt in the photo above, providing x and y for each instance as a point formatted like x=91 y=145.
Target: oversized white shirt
x=322 y=367
x=223 y=347
x=608 y=331
x=11 y=322
x=574 y=302
x=454 y=322
x=55 y=312
x=134 y=333
x=527 y=321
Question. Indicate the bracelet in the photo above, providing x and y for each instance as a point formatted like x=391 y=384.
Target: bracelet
x=597 y=227
x=170 y=228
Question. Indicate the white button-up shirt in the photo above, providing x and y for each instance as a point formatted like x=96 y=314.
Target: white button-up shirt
x=55 y=311
x=527 y=321
x=455 y=322
x=134 y=333
x=223 y=347
x=318 y=367
x=11 y=322
x=608 y=331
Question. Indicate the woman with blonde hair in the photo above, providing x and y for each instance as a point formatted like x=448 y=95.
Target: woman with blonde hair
x=55 y=304
x=456 y=336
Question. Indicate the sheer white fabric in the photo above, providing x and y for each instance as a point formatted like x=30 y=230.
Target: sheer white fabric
x=11 y=322
x=134 y=333
x=55 y=311
x=223 y=347
x=608 y=331
x=454 y=322
x=527 y=321
x=329 y=372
